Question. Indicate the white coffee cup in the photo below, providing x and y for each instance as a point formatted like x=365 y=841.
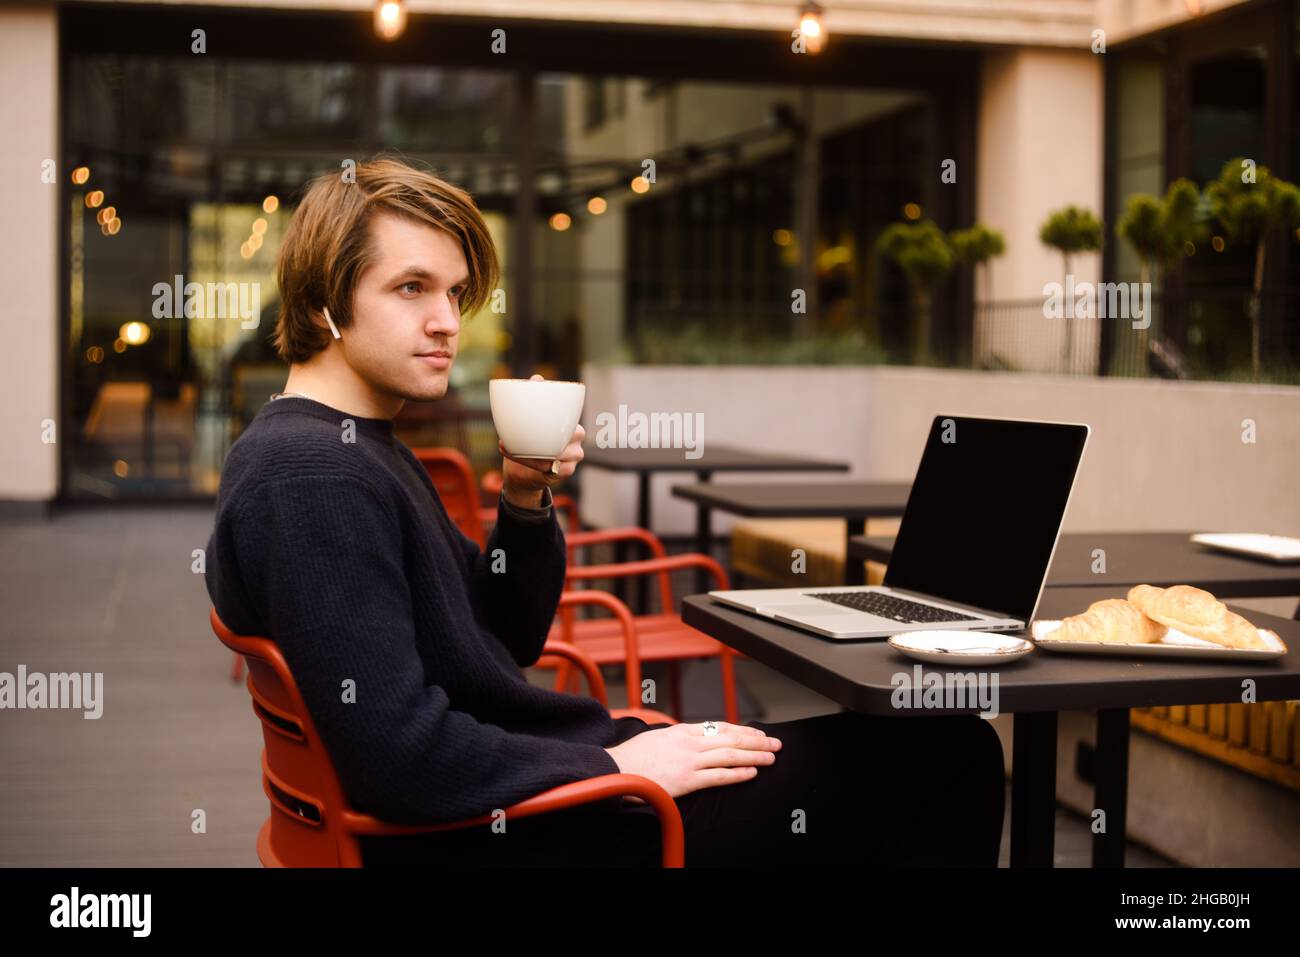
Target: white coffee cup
x=536 y=418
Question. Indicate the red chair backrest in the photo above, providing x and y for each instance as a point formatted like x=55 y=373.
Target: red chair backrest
x=298 y=777
x=451 y=475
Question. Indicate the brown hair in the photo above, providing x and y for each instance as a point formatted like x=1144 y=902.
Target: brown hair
x=327 y=245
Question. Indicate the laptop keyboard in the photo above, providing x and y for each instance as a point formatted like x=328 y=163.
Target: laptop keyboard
x=889 y=606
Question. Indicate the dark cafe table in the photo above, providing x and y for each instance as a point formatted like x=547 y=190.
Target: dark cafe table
x=855 y=502
x=1036 y=688
x=1135 y=558
x=715 y=458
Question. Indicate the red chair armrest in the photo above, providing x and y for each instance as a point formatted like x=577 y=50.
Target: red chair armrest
x=631 y=650
x=624 y=534
x=648 y=566
x=628 y=533
x=587 y=791
x=571 y=652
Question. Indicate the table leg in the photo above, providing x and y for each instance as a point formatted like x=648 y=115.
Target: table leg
x=1033 y=789
x=643 y=521
x=854 y=573
x=703 y=535
x=1110 y=786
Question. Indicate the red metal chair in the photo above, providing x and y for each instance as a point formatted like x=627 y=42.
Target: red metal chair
x=630 y=657
x=660 y=637
x=450 y=472
x=311 y=822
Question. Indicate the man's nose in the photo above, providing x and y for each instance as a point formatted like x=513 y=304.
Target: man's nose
x=444 y=319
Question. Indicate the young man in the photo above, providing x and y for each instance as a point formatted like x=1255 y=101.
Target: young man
x=408 y=648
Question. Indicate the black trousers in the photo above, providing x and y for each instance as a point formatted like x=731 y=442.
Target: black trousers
x=846 y=789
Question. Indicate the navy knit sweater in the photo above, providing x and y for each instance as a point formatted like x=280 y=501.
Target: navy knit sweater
x=343 y=555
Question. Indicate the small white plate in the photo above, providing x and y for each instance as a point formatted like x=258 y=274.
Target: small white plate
x=1274 y=548
x=1174 y=644
x=961 y=647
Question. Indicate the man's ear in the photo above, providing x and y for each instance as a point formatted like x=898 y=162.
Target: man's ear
x=333 y=328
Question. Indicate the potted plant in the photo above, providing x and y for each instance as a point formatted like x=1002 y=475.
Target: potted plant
x=921 y=251
x=1249 y=202
x=976 y=247
x=1159 y=231
x=1069 y=231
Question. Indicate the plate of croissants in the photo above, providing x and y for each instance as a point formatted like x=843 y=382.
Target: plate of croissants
x=1177 y=622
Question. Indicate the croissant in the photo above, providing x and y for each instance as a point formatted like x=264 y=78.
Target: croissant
x=1111 y=620
x=1196 y=612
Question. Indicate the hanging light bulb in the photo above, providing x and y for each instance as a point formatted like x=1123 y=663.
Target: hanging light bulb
x=811 y=27
x=390 y=18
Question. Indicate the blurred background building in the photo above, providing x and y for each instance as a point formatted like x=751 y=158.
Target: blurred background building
x=662 y=176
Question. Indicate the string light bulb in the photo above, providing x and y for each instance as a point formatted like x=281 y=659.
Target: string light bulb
x=390 y=18
x=812 y=27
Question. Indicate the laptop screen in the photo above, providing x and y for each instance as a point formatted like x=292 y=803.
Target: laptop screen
x=984 y=512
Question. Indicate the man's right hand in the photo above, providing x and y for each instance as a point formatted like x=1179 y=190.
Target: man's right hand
x=682 y=758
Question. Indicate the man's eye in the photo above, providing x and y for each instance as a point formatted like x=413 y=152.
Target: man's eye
x=457 y=291
x=409 y=285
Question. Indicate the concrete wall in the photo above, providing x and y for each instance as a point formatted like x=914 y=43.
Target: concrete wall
x=1125 y=19
x=1162 y=455
x=1193 y=809
x=29 y=314
x=1040 y=148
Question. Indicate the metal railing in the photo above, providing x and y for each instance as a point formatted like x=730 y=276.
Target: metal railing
x=1200 y=335
x=1203 y=335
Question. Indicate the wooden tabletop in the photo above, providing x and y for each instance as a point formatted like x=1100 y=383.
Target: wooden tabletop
x=1136 y=558
x=859 y=674
x=813 y=499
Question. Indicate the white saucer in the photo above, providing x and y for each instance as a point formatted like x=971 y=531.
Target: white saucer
x=961 y=647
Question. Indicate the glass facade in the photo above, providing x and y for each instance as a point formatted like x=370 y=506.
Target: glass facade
x=201 y=165
x=668 y=221
x=1182 y=104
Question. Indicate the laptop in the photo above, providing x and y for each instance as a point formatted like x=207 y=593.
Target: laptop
x=974 y=545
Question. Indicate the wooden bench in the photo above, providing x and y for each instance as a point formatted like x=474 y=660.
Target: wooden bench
x=763 y=550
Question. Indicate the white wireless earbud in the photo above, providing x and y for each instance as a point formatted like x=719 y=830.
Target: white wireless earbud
x=333 y=328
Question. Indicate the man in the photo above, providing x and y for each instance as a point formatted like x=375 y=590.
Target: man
x=406 y=645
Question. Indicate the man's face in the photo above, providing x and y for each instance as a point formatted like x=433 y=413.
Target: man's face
x=406 y=310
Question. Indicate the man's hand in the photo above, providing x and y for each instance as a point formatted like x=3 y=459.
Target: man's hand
x=682 y=758
x=523 y=480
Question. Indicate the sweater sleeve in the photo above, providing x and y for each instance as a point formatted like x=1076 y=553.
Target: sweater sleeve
x=519 y=578
x=326 y=553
